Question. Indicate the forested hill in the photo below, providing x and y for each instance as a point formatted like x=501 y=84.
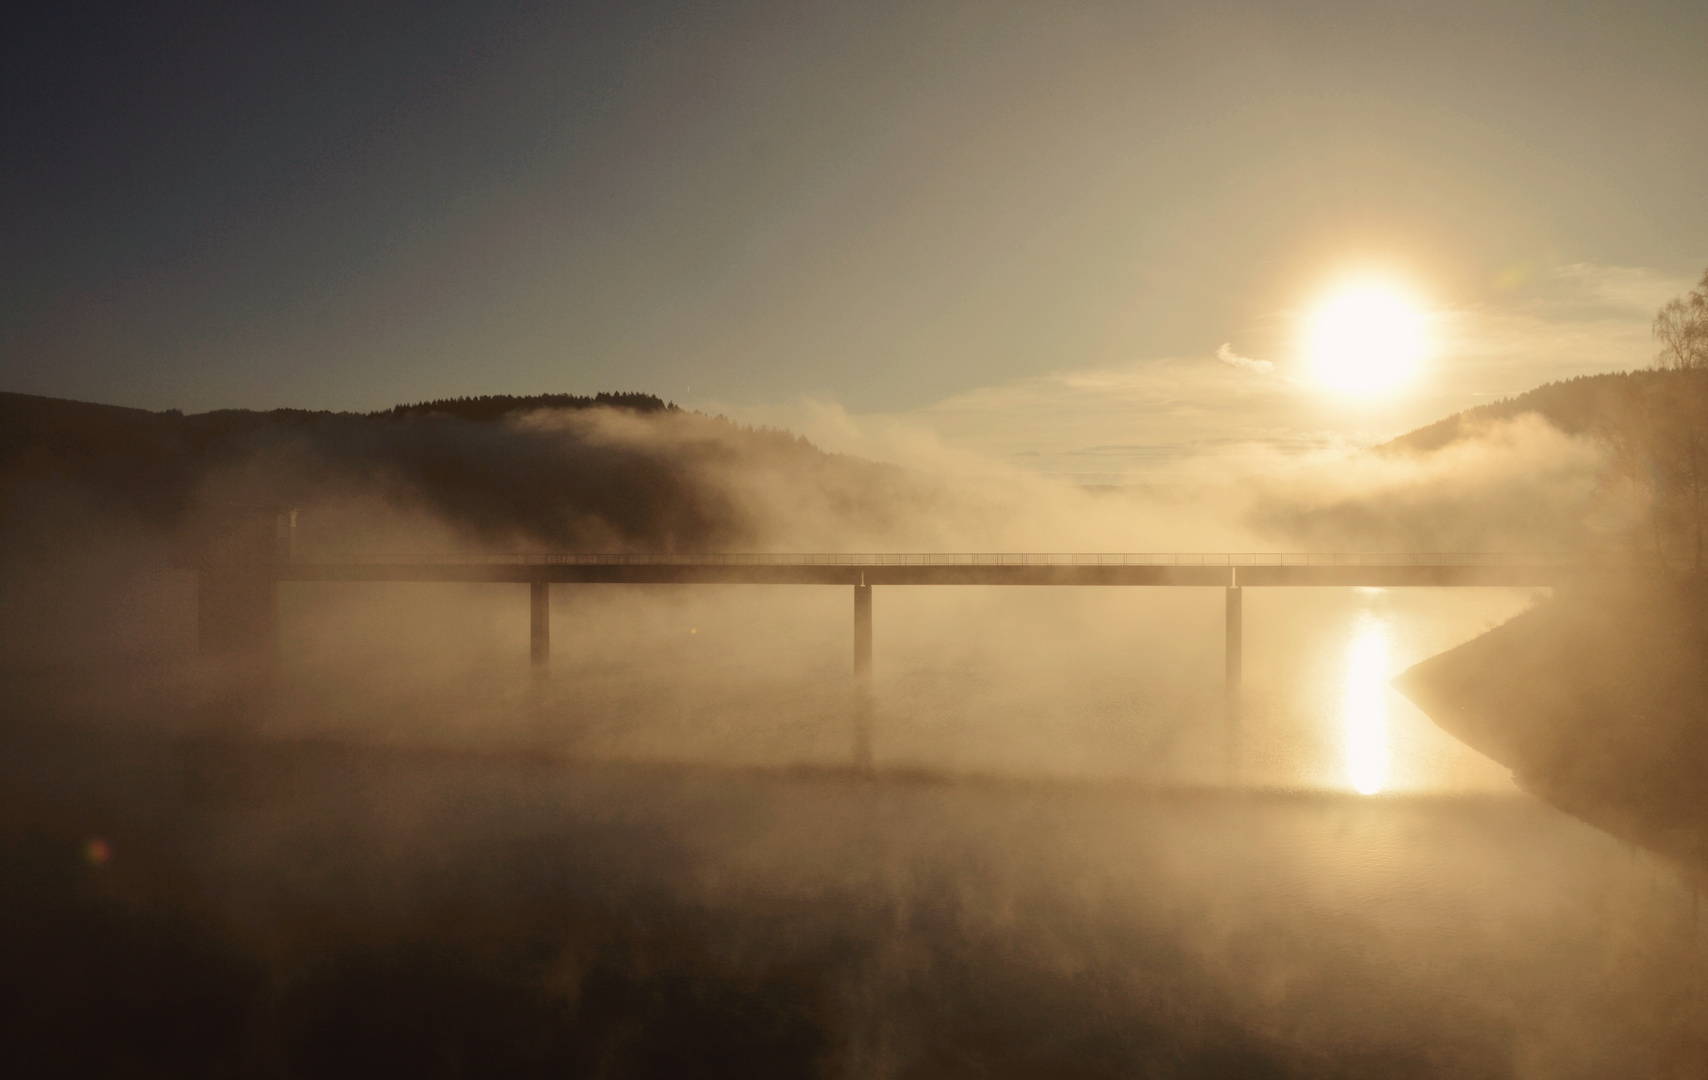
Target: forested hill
x=1589 y=404
x=497 y=406
x=45 y=431
x=558 y=471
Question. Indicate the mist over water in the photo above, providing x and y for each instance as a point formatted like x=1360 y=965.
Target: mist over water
x=653 y=858
x=1104 y=683
x=999 y=900
x=1056 y=289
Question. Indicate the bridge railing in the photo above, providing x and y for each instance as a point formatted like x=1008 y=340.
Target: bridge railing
x=1233 y=559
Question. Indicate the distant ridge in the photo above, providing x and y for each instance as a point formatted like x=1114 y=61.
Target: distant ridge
x=38 y=412
x=1586 y=405
x=677 y=481
x=494 y=406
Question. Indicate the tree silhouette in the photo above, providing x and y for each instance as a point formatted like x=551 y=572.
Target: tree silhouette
x=1682 y=327
x=1680 y=430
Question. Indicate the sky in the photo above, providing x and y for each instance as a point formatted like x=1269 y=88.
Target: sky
x=1081 y=234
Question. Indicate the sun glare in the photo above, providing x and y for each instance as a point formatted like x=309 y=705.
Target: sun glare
x=1364 y=712
x=1366 y=339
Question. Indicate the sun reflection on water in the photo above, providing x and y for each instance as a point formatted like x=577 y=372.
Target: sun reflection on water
x=1364 y=714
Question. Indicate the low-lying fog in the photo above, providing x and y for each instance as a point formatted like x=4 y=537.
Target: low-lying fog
x=1106 y=683
x=414 y=851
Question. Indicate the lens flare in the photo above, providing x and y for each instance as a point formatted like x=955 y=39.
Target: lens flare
x=1364 y=715
x=1366 y=339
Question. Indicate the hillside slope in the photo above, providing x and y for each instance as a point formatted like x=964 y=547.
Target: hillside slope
x=1587 y=405
x=614 y=471
x=1597 y=699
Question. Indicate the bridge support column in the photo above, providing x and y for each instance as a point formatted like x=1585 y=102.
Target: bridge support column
x=863 y=677
x=540 y=623
x=1233 y=640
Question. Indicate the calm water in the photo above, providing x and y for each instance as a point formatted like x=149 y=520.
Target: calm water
x=1098 y=683
x=1049 y=881
x=1325 y=716
x=851 y=928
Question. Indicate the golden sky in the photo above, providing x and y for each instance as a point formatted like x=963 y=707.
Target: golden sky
x=1030 y=228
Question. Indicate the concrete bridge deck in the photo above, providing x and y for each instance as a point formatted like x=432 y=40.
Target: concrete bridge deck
x=1378 y=570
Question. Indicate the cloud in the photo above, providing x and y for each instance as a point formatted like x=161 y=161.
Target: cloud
x=1169 y=420
x=1225 y=353
x=1189 y=419
x=1517 y=485
x=1185 y=422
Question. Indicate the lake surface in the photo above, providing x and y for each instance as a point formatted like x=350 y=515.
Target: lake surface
x=1092 y=683
x=847 y=927
x=649 y=864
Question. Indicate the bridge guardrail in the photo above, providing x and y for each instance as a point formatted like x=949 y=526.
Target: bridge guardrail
x=1212 y=559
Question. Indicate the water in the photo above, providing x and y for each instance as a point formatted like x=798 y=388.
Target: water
x=1323 y=714
x=1089 y=683
x=393 y=901
x=1049 y=879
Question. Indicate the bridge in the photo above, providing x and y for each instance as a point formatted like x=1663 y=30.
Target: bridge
x=239 y=595
x=1376 y=570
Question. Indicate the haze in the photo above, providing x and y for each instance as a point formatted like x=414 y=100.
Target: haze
x=440 y=444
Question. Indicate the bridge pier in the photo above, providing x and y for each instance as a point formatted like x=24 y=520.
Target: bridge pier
x=1233 y=641
x=539 y=623
x=863 y=677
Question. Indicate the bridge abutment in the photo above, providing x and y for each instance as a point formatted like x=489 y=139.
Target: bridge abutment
x=238 y=552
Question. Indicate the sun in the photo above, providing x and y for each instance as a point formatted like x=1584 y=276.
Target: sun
x=1367 y=339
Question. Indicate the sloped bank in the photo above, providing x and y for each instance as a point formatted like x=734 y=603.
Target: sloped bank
x=1597 y=699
